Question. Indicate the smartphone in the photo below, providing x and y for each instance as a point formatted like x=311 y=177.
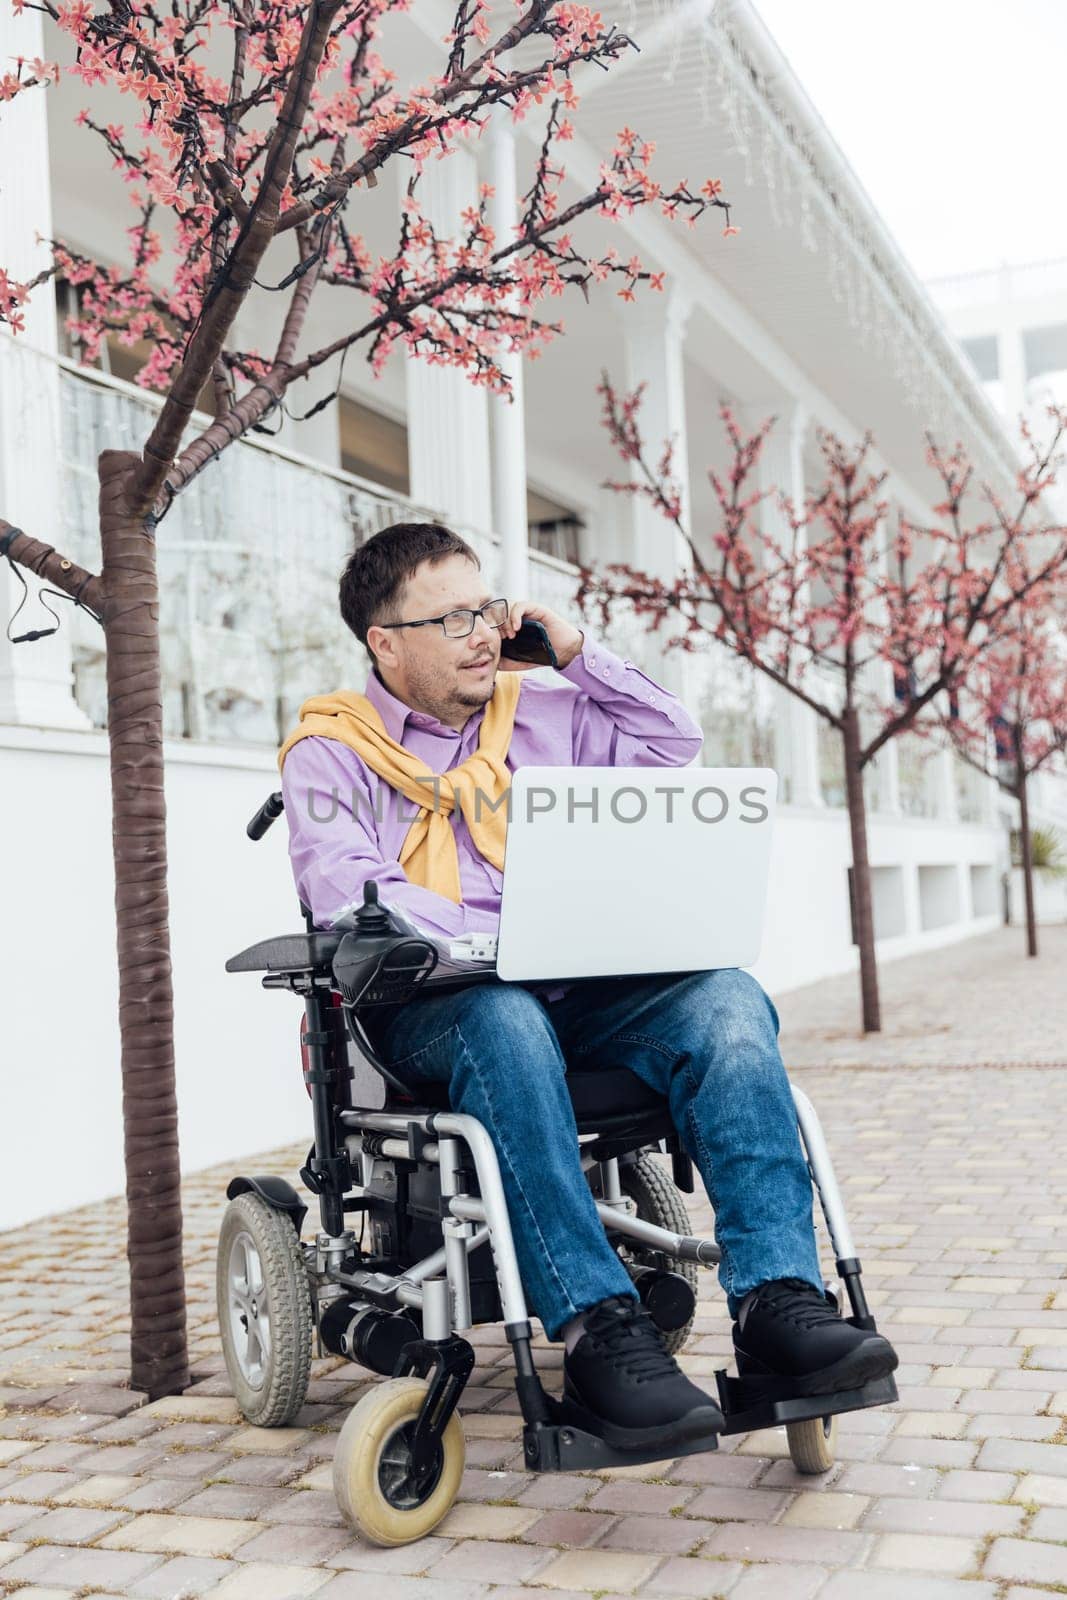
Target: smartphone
x=530 y=644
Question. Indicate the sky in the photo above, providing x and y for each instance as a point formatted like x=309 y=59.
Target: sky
x=951 y=114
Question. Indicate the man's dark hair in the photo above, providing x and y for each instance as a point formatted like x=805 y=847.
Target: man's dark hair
x=372 y=584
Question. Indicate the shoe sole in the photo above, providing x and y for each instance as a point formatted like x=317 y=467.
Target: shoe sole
x=699 y=1423
x=874 y=1358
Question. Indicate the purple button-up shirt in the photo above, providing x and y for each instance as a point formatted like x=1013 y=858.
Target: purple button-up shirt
x=346 y=824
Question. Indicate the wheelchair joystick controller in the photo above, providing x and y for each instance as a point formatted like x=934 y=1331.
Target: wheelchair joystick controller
x=375 y=963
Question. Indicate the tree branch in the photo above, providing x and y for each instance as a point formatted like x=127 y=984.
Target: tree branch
x=233 y=283
x=47 y=563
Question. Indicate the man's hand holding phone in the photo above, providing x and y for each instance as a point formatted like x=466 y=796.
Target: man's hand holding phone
x=565 y=639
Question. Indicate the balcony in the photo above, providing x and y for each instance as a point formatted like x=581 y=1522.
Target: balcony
x=249 y=559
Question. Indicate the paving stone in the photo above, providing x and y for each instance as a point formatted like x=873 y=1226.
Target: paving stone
x=669 y=1535
x=60 y=1456
x=259 y=1581
x=1027 y=1561
x=269 y=1441
x=37 y=1486
x=567 y=1528
x=195 y=1408
x=267 y=1470
x=178 y=1535
x=94 y=1397
x=100 y=1569
x=964 y=1485
x=595 y=1570
x=15 y=1513
x=693 y=1578
x=1050 y=1523
x=180 y=1578
x=878 y=1479
x=158 y=1494
x=490 y=1562
x=362 y=1586
x=1007 y=1455
x=925 y=1553
x=103 y=1490
x=903 y=1586
x=307 y=1546
x=771 y=1581
x=1037 y=1488
x=303 y=1507
x=966 y=1519
x=232 y=1500
x=71 y=1525
x=752 y=1541
x=825 y=1510
x=411 y=1559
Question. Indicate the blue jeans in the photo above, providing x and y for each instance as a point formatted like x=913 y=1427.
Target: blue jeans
x=706 y=1041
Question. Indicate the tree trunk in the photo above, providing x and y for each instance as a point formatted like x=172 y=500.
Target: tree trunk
x=1027 y=853
x=158 y=1352
x=861 y=875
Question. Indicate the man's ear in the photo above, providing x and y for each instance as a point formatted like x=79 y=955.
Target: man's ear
x=381 y=643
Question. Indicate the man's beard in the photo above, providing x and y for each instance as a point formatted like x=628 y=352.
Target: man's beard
x=469 y=698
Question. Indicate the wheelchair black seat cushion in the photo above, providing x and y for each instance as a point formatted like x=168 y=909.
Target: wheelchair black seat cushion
x=595 y=1096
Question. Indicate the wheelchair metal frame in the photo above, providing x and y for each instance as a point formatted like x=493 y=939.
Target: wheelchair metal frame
x=348 y=1143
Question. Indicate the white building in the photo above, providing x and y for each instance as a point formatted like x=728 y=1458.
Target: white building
x=811 y=313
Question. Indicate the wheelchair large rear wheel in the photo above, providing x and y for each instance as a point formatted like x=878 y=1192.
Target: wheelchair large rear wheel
x=373 y=1479
x=265 y=1316
x=658 y=1201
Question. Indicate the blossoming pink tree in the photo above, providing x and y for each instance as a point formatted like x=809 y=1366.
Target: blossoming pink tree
x=254 y=177
x=820 y=611
x=1019 y=720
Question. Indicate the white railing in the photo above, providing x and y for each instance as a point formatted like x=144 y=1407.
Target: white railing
x=249 y=560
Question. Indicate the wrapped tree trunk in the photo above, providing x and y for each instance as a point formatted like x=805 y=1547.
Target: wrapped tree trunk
x=159 y=1360
x=862 y=908
x=1025 y=846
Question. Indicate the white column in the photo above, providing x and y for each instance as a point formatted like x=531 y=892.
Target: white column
x=781 y=469
x=448 y=418
x=654 y=330
x=36 y=683
x=508 y=417
x=944 y=781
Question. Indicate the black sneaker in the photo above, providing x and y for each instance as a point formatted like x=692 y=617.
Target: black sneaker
x=620 y=1384
x=788 y=1329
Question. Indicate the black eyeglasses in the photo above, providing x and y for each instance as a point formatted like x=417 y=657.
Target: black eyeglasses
x=458 y=624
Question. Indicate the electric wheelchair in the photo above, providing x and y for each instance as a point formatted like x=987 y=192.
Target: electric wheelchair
x=414 y=1246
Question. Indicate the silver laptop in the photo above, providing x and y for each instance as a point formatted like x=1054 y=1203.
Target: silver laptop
x=614 y=870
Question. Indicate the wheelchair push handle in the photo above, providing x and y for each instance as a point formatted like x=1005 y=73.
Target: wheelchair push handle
x=268 y=813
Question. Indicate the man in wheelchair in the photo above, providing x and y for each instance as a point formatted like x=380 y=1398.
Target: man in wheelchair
x=445 y=711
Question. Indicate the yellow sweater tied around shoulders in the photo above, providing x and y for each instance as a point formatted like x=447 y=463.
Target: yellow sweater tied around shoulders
x=428 y=854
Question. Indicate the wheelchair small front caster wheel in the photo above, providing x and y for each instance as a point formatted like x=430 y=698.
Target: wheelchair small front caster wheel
x=373 y=1479
x=265 y=1316
x=811 y=1444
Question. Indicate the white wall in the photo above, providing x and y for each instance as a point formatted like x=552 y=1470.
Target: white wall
x=808 y=933
x=238 y=1063
x=239 y=1083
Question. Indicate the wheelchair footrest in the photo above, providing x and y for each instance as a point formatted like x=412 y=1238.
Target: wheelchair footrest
x=749 y=1404
x=560 y=1447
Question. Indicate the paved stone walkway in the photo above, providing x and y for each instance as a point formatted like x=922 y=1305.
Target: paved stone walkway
x=980 y=1002
x=957 y=1188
